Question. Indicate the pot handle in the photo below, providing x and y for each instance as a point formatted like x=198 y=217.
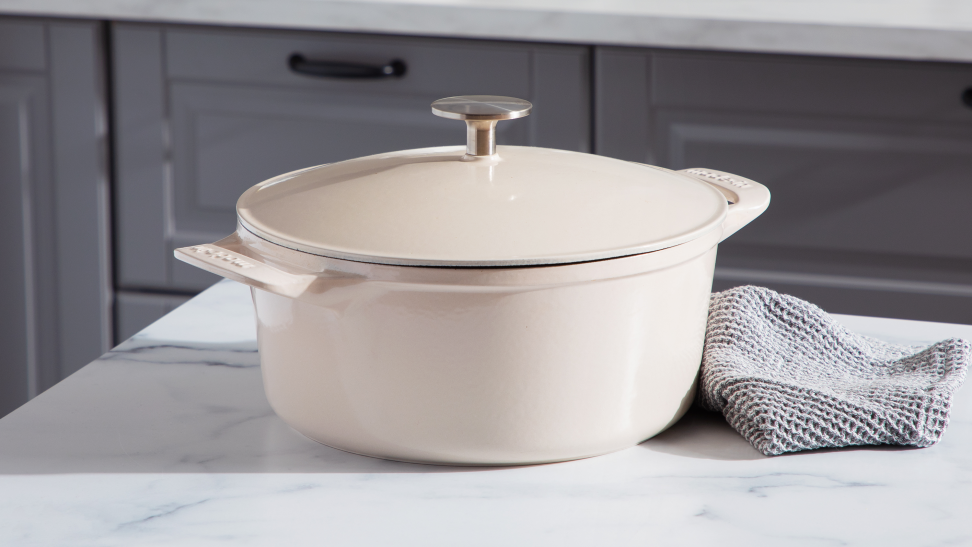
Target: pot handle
x=747 y=199
x=232 y=265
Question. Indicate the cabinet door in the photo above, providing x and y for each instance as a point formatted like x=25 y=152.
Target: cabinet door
x=55 y=288
x=868 y=163
x=203 y=114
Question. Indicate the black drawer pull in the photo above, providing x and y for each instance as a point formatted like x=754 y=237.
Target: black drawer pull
x=967 y=97
x=339 y=69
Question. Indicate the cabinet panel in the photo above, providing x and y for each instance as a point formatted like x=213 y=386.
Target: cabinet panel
x=55 y=286
x=82 y=216
x=836 y=184
x=867 y=161
x=140 y=149
x=21 y=100
x=806 y=85
x=23 y=44
x=622 y=121
x=561 y=84
x=230 y=114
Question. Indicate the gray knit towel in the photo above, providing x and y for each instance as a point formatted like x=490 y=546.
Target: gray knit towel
x=788 y=377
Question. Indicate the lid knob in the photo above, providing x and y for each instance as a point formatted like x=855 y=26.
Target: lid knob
x=481 y=112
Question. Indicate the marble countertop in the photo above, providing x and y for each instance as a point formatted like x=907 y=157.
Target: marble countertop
x=168 y=440
x=901 y=29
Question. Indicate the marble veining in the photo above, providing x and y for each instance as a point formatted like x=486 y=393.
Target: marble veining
x=905 y=29
x=168 y=440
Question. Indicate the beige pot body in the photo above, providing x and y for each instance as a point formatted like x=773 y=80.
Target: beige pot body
x=466 y=375
x=481 y=366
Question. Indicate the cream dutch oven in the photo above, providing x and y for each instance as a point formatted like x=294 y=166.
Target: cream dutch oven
x=482 y=304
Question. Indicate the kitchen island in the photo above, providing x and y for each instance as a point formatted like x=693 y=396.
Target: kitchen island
x=168 y=440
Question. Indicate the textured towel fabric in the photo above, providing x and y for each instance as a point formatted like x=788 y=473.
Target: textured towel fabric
x=788 y=377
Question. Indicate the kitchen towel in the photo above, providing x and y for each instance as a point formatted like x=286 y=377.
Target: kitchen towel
x=788 y=377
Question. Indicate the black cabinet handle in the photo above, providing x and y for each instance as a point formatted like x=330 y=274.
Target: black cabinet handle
x=967 y=97
x=340 y=69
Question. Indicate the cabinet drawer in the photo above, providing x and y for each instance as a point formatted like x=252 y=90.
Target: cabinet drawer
x=838 y=184
x=205 y=113
x=811 y=86
x=432 y=66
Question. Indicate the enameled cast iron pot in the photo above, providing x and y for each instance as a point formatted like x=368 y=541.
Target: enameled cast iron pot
x=481 y=305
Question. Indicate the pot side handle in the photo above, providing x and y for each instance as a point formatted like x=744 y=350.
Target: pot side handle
x=747 y=199
x=231 y=265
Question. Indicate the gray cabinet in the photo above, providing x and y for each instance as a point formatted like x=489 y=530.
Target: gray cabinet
x=201 y=114
x=869 y=164
x=55 y=284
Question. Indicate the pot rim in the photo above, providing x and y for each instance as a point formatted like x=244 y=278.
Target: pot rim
x=296 y=262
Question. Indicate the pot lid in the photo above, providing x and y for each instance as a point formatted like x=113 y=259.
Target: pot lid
x=481 y=205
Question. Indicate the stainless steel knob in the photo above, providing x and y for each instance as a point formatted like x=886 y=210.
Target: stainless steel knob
x=481 y=112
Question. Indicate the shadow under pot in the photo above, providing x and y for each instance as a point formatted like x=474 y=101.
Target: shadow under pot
x=481 y=305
